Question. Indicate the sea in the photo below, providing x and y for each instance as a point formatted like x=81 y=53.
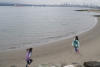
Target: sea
x=24 y=27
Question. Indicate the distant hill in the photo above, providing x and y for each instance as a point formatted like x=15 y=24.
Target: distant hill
x=6 y=4
x=14 y=4
x=19 y=4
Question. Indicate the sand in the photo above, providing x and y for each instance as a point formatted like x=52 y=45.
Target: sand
x=59 y=52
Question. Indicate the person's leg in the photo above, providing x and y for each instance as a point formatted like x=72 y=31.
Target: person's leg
x=27 y=63
x=30 y=61
x=76 y=50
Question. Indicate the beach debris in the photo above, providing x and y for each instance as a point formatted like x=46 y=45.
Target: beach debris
x=91 y=64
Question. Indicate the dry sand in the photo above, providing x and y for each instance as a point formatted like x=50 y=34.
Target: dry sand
x=60 y=52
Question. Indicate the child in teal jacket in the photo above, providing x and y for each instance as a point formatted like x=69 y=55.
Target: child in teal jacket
x=76 y=44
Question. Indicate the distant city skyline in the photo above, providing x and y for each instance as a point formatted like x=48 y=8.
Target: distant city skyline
x=95 y=2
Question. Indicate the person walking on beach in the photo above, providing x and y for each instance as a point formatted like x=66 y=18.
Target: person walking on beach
x=76 y=44
x=28 y=56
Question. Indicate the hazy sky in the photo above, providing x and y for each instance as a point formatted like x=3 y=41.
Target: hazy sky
x=53 y=1
x=34 y=1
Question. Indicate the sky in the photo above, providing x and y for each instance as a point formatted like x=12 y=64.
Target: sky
x=33 y=1
x=95 y=2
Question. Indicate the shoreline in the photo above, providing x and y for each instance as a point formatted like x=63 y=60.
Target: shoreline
x=60 y=52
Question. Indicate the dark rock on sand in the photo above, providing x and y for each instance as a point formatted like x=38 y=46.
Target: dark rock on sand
x=92 y=64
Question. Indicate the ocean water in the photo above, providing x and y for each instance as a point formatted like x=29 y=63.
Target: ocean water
x=22 y=27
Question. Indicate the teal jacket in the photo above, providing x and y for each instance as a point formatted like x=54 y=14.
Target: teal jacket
x=75 y=43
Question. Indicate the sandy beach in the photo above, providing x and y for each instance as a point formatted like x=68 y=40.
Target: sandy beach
x=60 y=52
